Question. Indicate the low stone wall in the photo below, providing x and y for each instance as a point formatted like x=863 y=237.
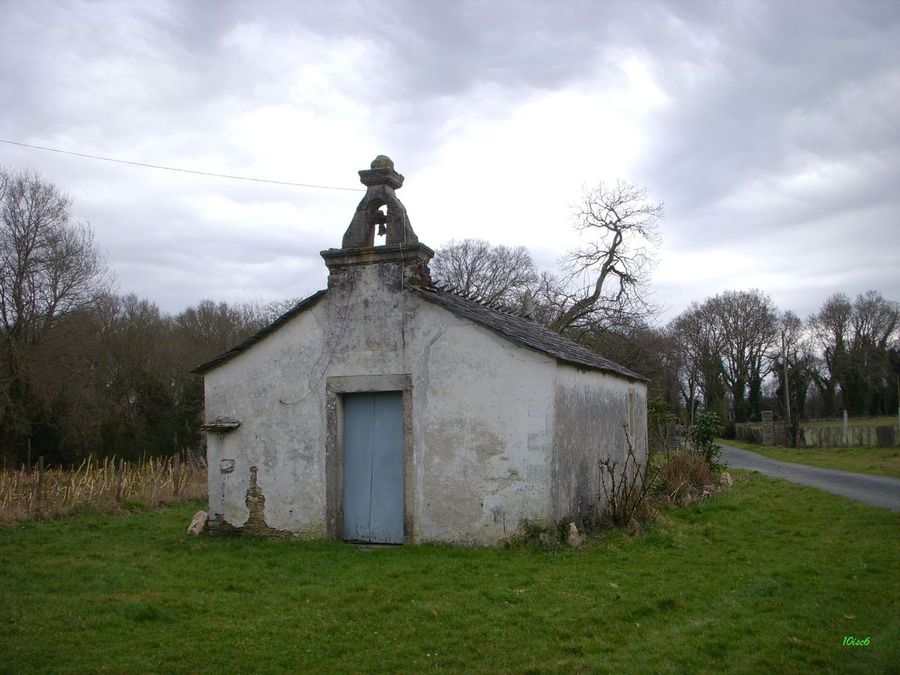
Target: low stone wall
x=866 y=436
x=749 y=432
x=820 y=436
x=757 y=432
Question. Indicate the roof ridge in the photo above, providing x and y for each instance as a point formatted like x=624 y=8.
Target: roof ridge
x=479 y=300
x=509 y=325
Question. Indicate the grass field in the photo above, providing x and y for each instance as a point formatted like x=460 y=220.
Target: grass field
x=768 y=577
x=875 y=461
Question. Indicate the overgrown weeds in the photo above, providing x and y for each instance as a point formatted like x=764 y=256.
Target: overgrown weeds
x=107 y=485
x=625 y=489
x=680 y=476
x=683 y=476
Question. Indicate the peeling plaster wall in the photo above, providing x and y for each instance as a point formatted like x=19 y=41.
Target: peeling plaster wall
x=283 y=440
x=592 y=411
x=486 y=411
x=277 y=391
x=485 y=453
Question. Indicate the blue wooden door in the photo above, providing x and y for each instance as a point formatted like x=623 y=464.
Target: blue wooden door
x=373 y=467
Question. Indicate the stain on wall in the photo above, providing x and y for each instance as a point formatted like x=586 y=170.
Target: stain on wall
x=592 y=416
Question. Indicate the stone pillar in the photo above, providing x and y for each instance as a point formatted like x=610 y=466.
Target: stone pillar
x=768 y=428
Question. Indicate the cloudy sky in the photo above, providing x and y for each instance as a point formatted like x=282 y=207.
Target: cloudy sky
x=770 y=130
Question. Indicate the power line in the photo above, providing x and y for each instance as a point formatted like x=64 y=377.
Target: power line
x=172 y=168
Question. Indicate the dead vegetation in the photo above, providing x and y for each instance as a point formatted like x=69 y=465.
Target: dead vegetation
x=684 y=475
x=625 y=489
x=107 y=485
x=632 y=491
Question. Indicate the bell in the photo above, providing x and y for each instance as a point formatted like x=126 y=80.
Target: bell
x=382 y=229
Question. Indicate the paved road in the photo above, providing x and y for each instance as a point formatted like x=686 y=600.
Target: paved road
x=875 y=490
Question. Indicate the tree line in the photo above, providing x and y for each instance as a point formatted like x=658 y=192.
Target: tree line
x=735 y=353
x=86 y=371
x=844 y=357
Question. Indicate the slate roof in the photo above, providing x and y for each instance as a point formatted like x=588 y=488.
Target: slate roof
x=300 y=307
x=514 y=328
x=524 y=332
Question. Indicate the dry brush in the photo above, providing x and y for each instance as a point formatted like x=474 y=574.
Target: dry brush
x=107 y=485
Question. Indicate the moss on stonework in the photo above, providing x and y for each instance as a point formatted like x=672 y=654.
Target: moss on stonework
x=382 y=162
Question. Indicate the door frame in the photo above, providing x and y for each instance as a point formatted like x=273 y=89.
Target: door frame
x=335 y=388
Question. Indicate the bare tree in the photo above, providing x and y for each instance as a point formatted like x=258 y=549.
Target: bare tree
x=868 y=380
x=748 y=322
x=857 y=343
x=699 y=340
x=644 y=349
x=49 y=266
x=792 y=367
x=727 y=342
x=494 y=274
x=48 y=263
x=831 y=330
x=606 y=279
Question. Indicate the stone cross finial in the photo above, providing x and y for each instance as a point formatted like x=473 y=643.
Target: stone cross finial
x=380 y=180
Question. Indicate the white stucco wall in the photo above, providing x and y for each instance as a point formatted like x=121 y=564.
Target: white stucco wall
x=284 y=441
x=493 y=422
x=485 y=437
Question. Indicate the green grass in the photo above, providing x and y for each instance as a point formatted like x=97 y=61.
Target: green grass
x=875 y=461
x=767 y=577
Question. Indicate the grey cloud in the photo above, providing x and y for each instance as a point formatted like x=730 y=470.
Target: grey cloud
x=756 y=91
x=807 y=86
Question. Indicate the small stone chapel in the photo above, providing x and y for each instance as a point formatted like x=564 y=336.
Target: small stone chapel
x=385 y=409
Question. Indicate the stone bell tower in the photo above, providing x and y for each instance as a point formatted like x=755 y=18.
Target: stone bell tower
x=401 y=249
